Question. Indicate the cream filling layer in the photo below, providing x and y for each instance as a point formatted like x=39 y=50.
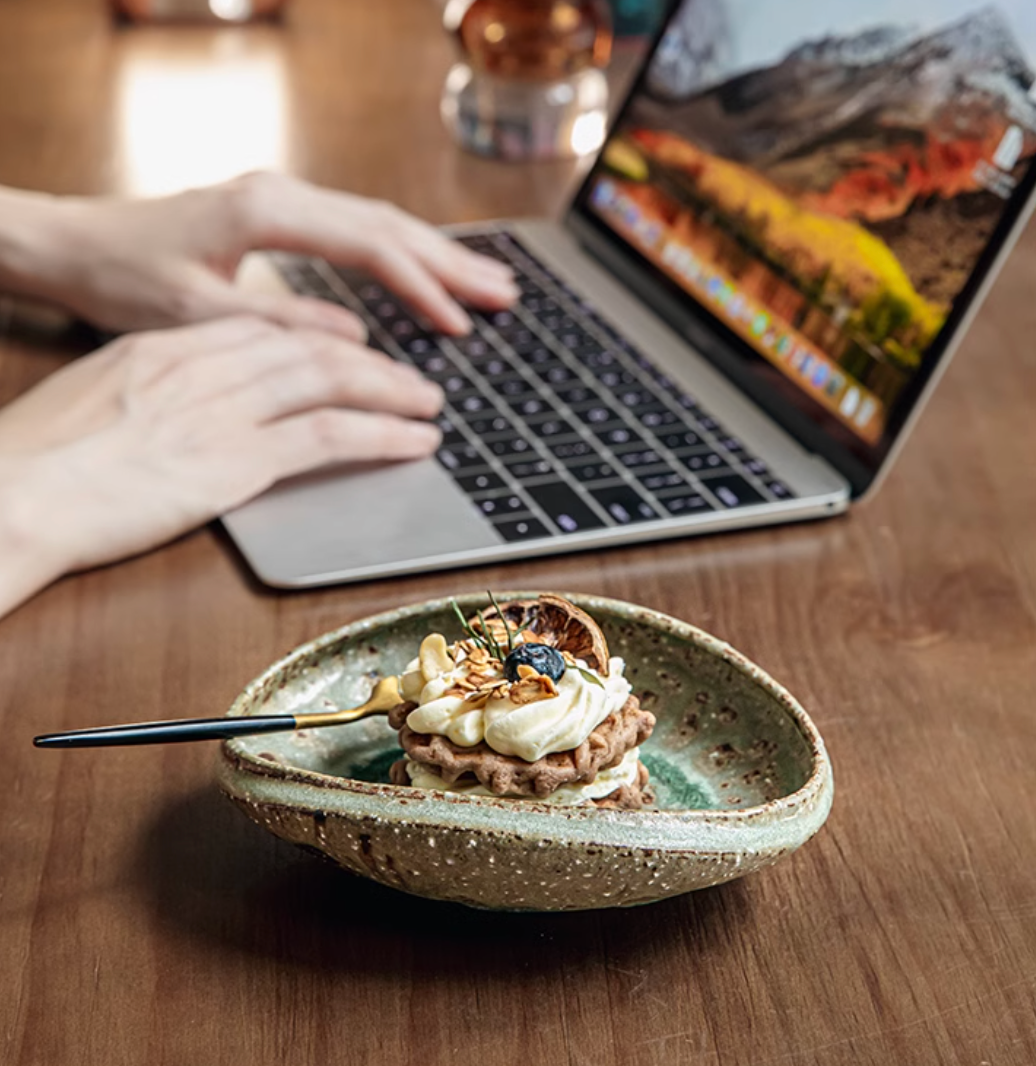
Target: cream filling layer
x=529 y=730
x=606 y=782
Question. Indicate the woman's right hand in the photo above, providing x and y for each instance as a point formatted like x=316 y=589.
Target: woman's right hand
x=157 y=433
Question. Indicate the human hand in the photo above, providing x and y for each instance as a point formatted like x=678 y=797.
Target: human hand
x=159 y=432
x=140 y=264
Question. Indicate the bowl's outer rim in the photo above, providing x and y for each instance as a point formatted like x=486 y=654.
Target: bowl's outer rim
x=258 y=780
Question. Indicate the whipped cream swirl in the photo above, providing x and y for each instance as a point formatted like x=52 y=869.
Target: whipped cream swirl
x=527 y=730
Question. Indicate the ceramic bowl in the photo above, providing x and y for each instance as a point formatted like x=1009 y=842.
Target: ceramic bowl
x=740 y=774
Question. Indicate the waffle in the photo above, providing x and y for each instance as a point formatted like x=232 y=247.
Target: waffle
x=629 y=797
x=509 y=775
x=625 y=797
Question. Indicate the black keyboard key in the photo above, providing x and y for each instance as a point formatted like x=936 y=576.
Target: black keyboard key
x=368 y=292
x=451 y=435
x=512 y=446
x=420 y=349
x=660 y=480
x=539 y=356
x=487 y=482
x=460 y=456
x=484 y=243
x=521 y=529
x=684 y=503
x=601 y=360
x=732 y=490
x=556 y=374
x=620 y=437
x=598 y=414
x=524 y=467
x=756 y=466
x=576 y=394
x=476 y=403
x=689 y=403
x=684 y=438
x=615 y=379
x=453 y=382
x=476 y=348
x=624 y=504
x=659 y=419
x=597 y=471
x=501 y=505
x=533 y=406
x=385 y=310
x=517 y=389
x=483 y=425
x=640 y=457
x=402 y=329
x=552 y=427
x=636 y=398
x=564 y=506
x=779 y=489
x=702 y=462
x=575 y=338
x=567 y=451
x=520 y=338
x=435 y=364
x=496 y=369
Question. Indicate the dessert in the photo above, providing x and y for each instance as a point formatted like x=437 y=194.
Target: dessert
x=527 y=705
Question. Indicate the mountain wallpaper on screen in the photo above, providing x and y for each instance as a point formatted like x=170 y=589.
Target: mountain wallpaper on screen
x=858 y=168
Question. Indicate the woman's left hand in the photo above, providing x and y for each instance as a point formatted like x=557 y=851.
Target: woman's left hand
x=140 y=264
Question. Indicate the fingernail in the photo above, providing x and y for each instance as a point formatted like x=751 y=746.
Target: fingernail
x=424 y=435
x=502 y=283
x=460 y=321
x=494 y=266
x=433 y=392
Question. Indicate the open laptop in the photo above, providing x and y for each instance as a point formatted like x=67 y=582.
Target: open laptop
x=785 y=235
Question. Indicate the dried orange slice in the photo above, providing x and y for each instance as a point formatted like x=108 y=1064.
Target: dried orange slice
x=554 y=621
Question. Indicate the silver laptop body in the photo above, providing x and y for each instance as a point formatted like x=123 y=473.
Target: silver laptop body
x=792 y=445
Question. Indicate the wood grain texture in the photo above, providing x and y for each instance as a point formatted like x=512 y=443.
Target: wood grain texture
x=143 y=920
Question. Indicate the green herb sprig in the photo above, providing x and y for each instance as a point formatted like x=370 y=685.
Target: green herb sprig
x=588 y=676
x=507 y=625
x=485 y=639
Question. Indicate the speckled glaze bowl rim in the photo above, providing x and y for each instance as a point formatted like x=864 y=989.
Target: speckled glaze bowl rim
x=691 y=828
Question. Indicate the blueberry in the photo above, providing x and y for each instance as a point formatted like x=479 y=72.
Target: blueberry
x=541 y=657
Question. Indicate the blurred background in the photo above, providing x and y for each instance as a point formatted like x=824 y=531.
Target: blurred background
x=153 y=106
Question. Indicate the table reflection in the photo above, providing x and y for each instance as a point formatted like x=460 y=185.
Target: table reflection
x=190 y=115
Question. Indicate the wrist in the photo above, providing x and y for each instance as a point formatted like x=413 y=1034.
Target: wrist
x=28 y=562
x=34 y=242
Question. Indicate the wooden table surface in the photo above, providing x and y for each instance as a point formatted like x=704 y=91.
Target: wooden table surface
x=143 y=920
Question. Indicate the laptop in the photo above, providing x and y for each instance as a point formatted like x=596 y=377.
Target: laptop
x=767 y=268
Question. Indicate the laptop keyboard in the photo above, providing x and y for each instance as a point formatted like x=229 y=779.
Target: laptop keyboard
x=554 y=423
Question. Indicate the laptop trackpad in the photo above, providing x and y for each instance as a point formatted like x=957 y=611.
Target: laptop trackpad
x=353 y=518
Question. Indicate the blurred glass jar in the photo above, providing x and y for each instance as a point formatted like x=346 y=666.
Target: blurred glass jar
x=530 y=84
x=198 y=10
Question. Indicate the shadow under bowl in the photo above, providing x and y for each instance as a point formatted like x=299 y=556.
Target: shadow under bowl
x=740 y=773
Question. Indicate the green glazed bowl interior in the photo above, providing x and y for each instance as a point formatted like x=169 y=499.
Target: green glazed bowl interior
x=740 y=774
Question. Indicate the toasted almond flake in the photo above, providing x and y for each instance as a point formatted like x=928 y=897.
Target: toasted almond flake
x=532 y=689
x=525 y=671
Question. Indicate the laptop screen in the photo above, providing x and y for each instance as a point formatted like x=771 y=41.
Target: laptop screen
x=826 y=180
